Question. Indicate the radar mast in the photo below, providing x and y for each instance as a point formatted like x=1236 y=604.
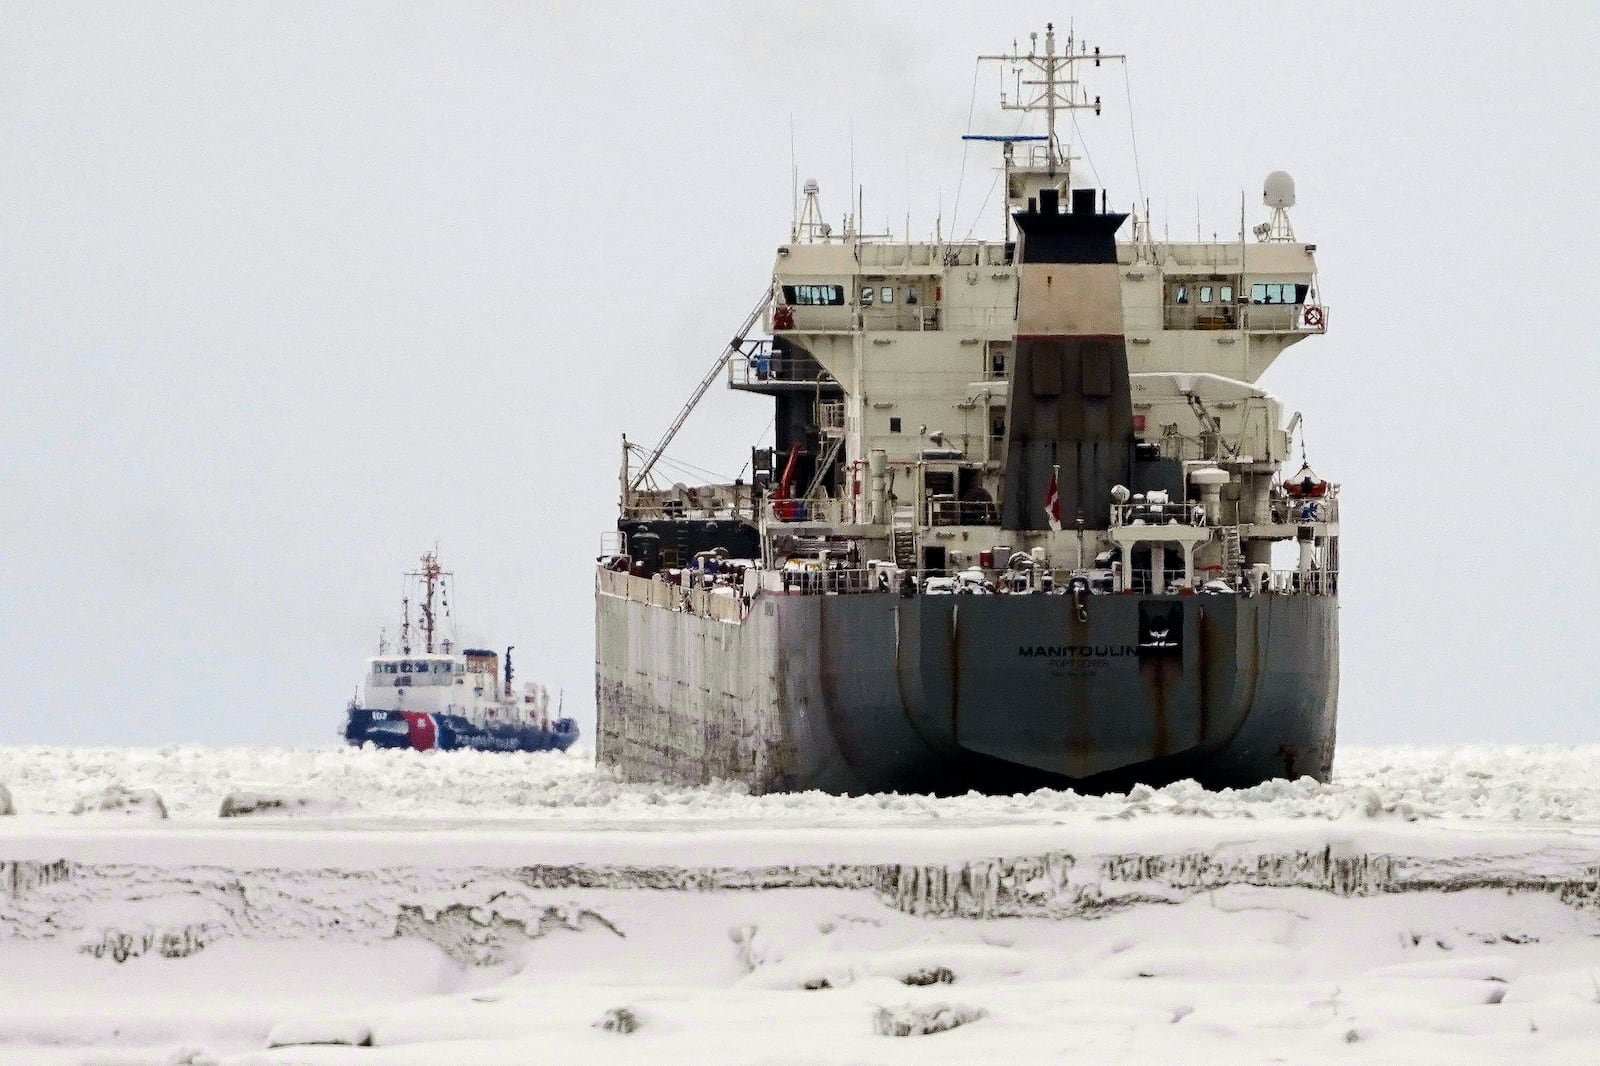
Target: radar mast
x=1042 y=81
x=1051 y=84
x=432 y=580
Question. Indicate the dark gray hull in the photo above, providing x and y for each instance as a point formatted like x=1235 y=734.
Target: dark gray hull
x=870 y=693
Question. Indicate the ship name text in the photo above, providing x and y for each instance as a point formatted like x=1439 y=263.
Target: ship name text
x=1076 y=651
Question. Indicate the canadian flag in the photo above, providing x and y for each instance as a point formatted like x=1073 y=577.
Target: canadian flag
x=1052 y=503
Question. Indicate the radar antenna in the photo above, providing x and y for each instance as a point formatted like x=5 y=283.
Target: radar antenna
x=1277 y=192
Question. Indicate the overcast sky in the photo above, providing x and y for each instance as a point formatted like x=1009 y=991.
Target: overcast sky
x=289 y=292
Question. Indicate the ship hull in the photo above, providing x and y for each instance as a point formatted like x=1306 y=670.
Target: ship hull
x=420 y=731
x=942 y=694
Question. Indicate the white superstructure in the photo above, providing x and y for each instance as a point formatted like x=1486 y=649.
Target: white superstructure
x=907 y=348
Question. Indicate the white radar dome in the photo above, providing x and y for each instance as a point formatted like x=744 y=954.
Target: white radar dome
x=1279 y=190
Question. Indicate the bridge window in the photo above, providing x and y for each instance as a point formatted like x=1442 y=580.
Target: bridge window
x=1276 y=292
x=1201 y=302
x=886 y=294
x=866 y=295
x=814 y=295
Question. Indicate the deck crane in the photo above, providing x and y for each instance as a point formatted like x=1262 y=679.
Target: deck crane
x=733 y=348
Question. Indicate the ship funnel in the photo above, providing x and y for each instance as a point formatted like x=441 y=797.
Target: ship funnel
x=1049 y=201
x=1083 y=201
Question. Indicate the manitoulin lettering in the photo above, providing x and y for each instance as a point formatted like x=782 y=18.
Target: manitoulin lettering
x=1075 y=651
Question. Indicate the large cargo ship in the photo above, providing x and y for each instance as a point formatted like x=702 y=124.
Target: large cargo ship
x=1024 y=522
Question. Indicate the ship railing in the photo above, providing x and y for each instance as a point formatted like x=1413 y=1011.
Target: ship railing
x=722 y=603
x=807 y=581
x=699 y=501
x=976 y=254
x=824 y=511
x=762 y=367
x=725 y=511
x=1316 y=582
x=944 y=510
x=1143 y=513
x=1265 y=582
x=813 y=318
x=1300 y=509
x=1251 y=318
x=830 y=417
x=851 y=318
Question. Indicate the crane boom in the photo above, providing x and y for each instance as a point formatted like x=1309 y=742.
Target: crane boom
x=700 y=390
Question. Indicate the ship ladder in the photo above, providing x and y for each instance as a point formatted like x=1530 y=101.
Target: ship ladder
x=1232 y=554
x=823 y=464
x=905 y=548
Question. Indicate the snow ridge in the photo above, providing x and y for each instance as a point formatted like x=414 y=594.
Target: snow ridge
x=479 y=916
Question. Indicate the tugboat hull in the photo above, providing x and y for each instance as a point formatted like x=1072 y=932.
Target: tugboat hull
x=942 y=694
x=420 y=731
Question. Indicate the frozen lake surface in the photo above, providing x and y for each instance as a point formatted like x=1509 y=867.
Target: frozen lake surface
x=1436 y=905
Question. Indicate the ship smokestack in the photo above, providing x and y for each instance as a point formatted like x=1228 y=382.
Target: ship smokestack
x=1070 y=422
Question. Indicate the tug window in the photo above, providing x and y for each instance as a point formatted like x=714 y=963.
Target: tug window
x=1205 y=294
x=886 y=294
x=1180 y=295
x=405 y=668
x=866 y=295
x=894 y=425
x=1226 y=295
x=814 y=295
x=911 y=295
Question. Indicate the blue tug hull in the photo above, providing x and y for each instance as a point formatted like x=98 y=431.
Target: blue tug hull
x=451 y=732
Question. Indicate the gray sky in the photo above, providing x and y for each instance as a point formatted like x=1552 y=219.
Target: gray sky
x=290 y=291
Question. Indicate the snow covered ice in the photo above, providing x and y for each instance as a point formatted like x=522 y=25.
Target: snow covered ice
x=388 y=907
